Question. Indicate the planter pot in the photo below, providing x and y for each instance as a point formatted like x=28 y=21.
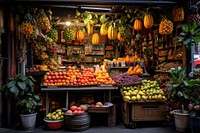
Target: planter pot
x=28 y=121
x=181 y=120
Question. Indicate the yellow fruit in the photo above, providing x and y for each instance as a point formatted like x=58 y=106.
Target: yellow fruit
x=89 y=27
x=148 y=20
x=133 y=98
x=138 y=97
x=80 y=35
x=127 y=94
x=119 y=37
x=127 y=98
x=112 y=33
x=137 y=24
x=178 y=14
x=95 y=39
x=165 y=27
x=103 y=30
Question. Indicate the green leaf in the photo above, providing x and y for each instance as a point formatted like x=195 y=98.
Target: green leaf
x=180 y=93
x=21 y=85
x=31 y=78
x=183 y=34
x=37 y=97
x=10 y=84
x=14 y=90
x=187 y=41
x=185 y=27
x=29 y=105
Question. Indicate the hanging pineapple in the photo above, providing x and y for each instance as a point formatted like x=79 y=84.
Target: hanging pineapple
x=68 y=34
x=148 y=20
x=178 y=14
x=193 y=15
x=165 y=27
x=26 y=28
x=42 y=21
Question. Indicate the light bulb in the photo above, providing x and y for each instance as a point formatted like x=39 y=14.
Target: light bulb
x=68 y=23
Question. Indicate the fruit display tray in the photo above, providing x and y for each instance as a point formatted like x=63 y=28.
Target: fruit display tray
x=96 y=109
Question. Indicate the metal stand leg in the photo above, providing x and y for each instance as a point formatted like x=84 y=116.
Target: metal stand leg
x=67 y=99
x=47 y=102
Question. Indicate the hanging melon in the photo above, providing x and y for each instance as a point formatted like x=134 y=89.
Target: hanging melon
x=178 y=14
x=89 y=27
x=112 y=32
x=103 y=30
x=80 y=35
x=95 y=39
x=165 y=27
x=119 y=37
x=148 y=20
x=137 y=24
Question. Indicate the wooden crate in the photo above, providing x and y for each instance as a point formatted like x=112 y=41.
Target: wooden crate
x=148 y=111
x=142 y=111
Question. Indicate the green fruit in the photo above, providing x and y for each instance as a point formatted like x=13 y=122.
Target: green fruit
x=127 y=98
x=133 y=98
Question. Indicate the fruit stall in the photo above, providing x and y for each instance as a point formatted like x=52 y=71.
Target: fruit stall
x=116 y=64
x=94 y=68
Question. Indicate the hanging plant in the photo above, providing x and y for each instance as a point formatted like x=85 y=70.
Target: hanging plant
x=190 y=35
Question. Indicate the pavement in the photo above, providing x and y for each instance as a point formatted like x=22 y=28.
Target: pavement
x=148 y=127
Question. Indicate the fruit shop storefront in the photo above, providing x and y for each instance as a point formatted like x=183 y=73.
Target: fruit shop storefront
x=94 y=59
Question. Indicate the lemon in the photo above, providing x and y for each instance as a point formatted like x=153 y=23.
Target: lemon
x=133 y=98
x=138 y=97
x=127 y=98
x=127 y=94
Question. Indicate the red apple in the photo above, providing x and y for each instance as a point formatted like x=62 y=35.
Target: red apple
x=69 y=112
x=78 y=108
x=73 y=108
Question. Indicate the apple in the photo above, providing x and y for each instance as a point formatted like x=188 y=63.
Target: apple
x=78 y=108
x=75 y=112
x=73 y=108
x=69 y=112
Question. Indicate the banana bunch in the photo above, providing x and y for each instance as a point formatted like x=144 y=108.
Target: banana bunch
x=165 y=27
x=42 y=21
x=26 y=28
x=68 y=34
x=53 y=34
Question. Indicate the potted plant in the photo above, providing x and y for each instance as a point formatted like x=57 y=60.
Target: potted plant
x=21 y=90
x=180 y=89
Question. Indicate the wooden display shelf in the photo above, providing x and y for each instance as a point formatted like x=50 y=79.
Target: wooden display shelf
x=78 y=89
x=162 y=71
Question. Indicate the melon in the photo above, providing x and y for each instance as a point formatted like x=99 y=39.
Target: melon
x=84 y=107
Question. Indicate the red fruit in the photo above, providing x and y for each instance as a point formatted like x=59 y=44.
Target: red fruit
x=78 y=108
x=79 y=112
x=190 y=106
x=73 y=108
x=69 y=112
x=75 y=112
x=83 y=111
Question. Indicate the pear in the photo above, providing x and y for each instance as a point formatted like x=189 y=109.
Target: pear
x=138 y=97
